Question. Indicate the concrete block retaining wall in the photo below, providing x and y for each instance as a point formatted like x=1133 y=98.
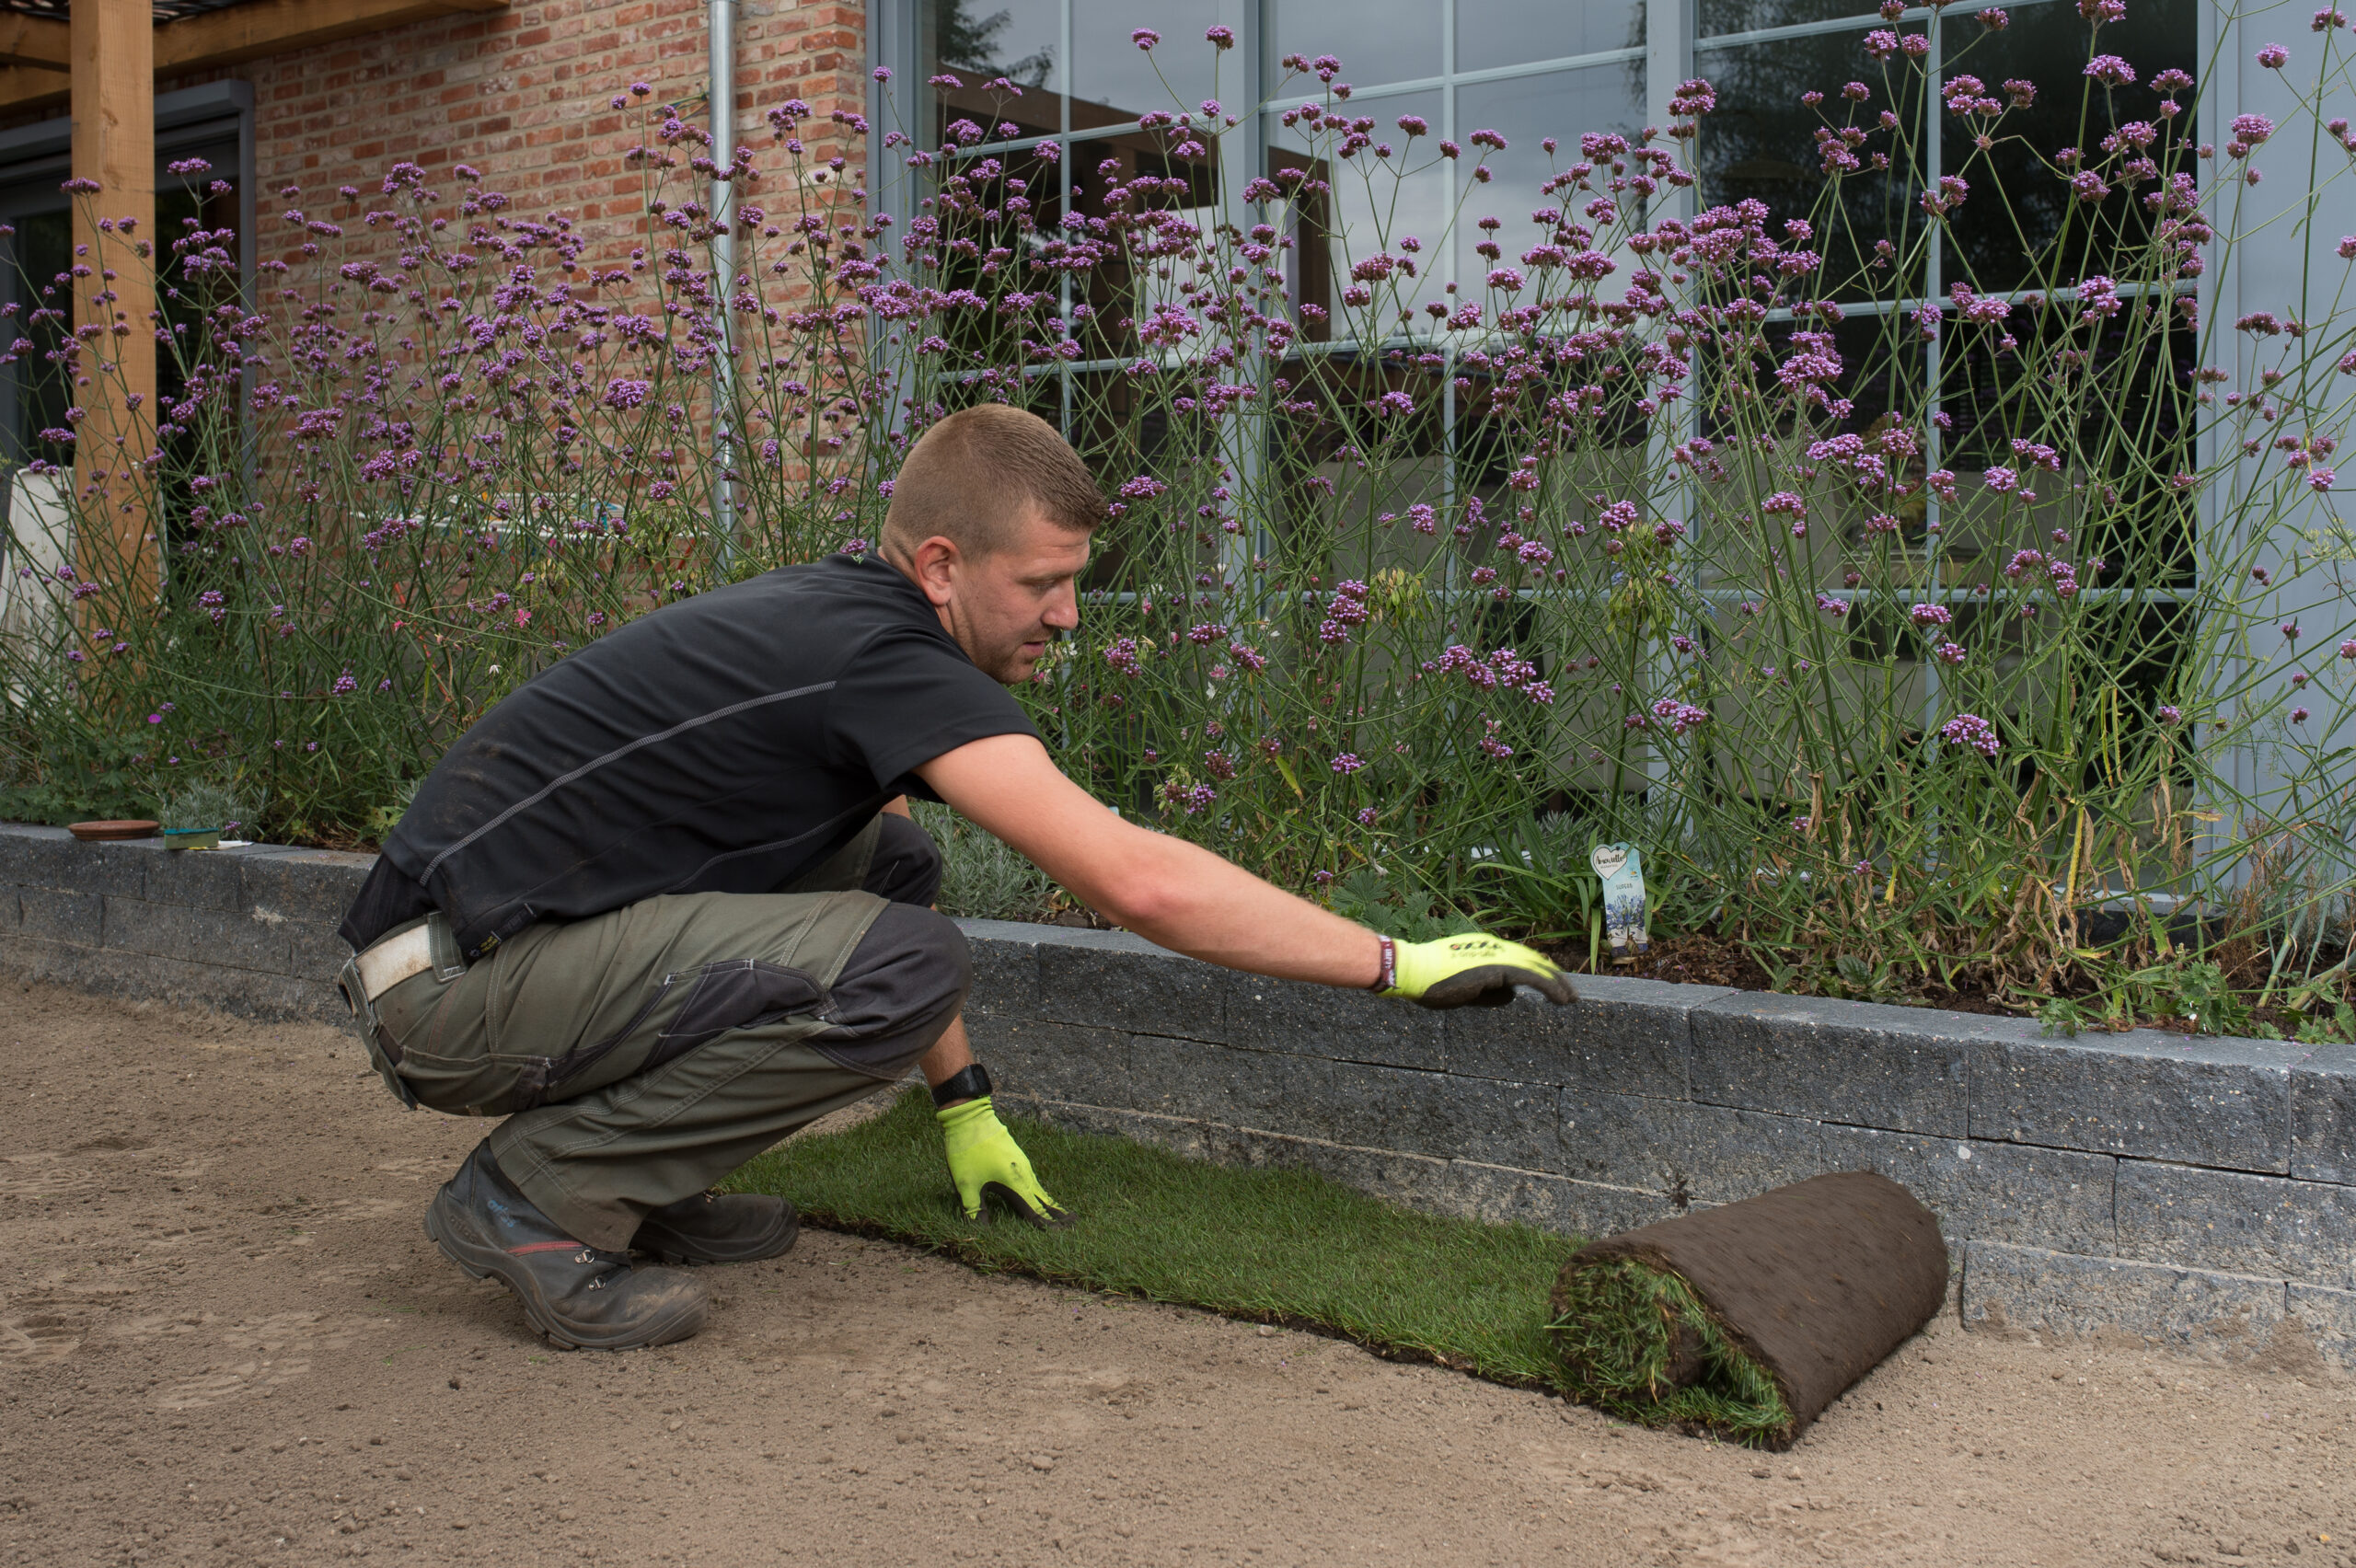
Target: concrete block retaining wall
x=2199 y=1192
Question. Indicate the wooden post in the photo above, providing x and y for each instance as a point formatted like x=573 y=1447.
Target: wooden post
x=113 y=47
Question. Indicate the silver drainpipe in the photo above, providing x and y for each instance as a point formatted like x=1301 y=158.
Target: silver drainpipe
x=720 y=27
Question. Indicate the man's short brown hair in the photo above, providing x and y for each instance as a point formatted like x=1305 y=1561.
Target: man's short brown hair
x=972 y=477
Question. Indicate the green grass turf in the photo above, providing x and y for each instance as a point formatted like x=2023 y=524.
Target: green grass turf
x=1621 y=1323
x=1268 y=1245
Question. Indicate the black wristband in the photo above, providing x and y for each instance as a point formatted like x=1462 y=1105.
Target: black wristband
x=971 y=1084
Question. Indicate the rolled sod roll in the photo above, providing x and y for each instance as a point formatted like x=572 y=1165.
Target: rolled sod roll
x=1748 y=1321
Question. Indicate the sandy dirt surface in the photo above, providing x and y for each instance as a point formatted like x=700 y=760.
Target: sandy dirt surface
x=224 y=1339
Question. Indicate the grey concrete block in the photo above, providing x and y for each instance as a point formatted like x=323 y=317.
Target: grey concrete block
x=1318 y=1020
x=1687 y=1153
x=2060 y=1199
x=39 y=857
x=2196 y=1310
x=58 y=915
x=1273 y=1090
x=1410 y=1180
x=2329 y=1318
x=1180 y=1135
x=314 y=950
x=1901 y=1069
x=1624 y=1035
x=1428 y=1113
x=1006 y=977
x=1054 y=1061
x=196 y=878
x=197 y=937
x=2194 y=1099
x=101 y=972
x=2323 y=1114
x=1501 y=1195
x=51 y=856
x=301 y=884
x=2239 y=1222
x=1151 y=992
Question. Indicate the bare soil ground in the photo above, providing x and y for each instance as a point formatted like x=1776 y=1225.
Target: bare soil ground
x=224 y=1339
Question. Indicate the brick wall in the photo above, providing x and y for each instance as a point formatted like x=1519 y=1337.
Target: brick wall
x=525 y=95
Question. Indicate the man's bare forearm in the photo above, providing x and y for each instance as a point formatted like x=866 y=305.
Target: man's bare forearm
x=1212 y=909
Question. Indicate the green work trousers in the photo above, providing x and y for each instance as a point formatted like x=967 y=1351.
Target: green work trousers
x=641 y=1055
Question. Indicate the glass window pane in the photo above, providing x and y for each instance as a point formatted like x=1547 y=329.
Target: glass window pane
x=1526 y=112
x=1114 y=81
x=1374 y=204
x=977 y=39
x=1507 y=32
x=1377 y=40
x=1760 y=143
x=2007 y=225
x=1717 y=17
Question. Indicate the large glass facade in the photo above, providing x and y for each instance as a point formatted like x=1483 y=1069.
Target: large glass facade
x=1528 y=70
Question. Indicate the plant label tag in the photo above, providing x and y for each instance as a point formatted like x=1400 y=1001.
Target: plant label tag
x=1621 y=868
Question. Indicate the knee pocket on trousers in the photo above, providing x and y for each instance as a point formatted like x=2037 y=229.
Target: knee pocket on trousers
x=902 y=985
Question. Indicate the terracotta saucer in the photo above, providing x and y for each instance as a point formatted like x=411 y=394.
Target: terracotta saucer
x=104 y=832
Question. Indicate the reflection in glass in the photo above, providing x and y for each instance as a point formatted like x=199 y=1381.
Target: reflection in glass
x=1510 y=32
x=2018 y=198
x=1717 y=17
x=1371 y=206
x=1526 y=112
x=1761 y=143
x=976 y=41
x=1377 y=40
x=1114 y=81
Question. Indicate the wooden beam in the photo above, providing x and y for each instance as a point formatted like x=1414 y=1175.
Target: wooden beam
x=29 y=80
x=275 y=27
x=33 y=87
x=35 y=40
x=114 y=145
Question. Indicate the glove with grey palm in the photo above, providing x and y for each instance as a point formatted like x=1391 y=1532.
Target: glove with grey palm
x=1471 y=969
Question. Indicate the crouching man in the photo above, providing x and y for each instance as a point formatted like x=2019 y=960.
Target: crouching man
x=663 y=904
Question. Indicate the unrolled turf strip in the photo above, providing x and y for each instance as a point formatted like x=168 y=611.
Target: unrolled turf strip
x=1267 y=1243
x=1750 y=1318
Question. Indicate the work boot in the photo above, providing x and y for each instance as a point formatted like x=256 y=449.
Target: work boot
x=710 y=1227
x=575 y=1294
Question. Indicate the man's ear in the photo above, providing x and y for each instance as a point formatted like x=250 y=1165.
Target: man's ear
x=934 y=565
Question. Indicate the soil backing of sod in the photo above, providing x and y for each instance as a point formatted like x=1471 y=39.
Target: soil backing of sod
x=1750 y=1318
x=1267 y=1244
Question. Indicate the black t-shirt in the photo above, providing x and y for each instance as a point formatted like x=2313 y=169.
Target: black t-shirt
x=723 y=743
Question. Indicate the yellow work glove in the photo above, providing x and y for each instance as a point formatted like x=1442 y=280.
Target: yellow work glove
x=1473 y=968
x=986 y=1161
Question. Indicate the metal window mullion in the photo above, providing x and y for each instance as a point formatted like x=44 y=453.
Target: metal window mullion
x=1668 y=60
x=1856 y=22
x=894 y=43
x=1933 y=274
x=1063 y=211
x=1241 y=153
x=1448 y=490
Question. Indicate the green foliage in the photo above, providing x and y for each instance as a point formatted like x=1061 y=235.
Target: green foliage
x=1401 y=909
x=980 y=877
x=1266 y=1245
x=2062 y=1016
x=1900 y=671
x=200 y=802
x=1637 y=1343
